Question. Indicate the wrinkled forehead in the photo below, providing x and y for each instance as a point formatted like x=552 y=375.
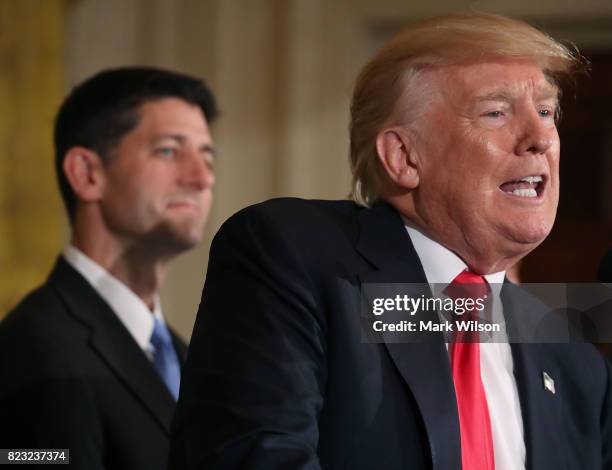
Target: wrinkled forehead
x=502 y=79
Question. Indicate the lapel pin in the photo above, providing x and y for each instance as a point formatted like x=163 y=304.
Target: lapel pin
x=549 y=383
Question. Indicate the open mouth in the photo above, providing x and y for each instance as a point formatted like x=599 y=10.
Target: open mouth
x=527 y=187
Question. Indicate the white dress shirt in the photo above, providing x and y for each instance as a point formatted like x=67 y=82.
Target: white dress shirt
x=441 y=266
x=129 y=308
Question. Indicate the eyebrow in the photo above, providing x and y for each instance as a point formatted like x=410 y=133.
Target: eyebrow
x=181 y=139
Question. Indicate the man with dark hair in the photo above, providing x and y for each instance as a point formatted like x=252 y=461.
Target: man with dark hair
x=455 y=161
x=87 y=361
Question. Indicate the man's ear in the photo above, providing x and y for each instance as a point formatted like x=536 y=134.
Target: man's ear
x=396 y=155
x=85 y=172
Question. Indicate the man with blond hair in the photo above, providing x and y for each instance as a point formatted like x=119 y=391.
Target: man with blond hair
x=455 y=161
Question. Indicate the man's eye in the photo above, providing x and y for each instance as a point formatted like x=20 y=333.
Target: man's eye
x=494 y=114
x=165 y=151
x=546 y=113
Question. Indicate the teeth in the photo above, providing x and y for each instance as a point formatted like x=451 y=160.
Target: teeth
x=525 y=192
x=532 y=179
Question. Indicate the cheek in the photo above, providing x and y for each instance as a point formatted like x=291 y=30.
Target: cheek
x=127 y=205
x=553 y=163
x=136 y=198
x=206 y=201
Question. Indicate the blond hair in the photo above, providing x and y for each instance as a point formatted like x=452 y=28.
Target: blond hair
x=387 y=93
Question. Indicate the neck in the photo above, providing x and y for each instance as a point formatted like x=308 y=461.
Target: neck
x=485 y=265
x=481 y=258
x=133 y=265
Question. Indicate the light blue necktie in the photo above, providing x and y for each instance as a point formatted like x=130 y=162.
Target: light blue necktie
x=165 y=358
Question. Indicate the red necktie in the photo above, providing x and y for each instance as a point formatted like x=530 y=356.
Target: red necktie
x=474 y=421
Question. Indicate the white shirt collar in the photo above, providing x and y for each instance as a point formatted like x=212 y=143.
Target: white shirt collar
x=440 y=264
x=129 y=308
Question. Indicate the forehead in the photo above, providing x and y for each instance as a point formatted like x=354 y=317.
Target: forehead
x=501 y=79
x=171 y=115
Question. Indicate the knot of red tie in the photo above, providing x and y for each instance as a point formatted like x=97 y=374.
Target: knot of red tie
x=468 y=285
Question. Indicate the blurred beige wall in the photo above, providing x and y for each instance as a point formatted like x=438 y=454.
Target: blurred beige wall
x=282 y=71
x=31 y=88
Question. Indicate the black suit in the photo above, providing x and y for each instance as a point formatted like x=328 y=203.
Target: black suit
x=278 y=378
x=73 y=377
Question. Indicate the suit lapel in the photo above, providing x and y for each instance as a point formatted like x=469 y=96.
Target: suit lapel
x=114 y=344
x=425 y=367
x=541 y=409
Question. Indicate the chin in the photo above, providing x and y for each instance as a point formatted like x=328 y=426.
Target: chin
x=531 y=232
x=174 y=239
x=187 y=241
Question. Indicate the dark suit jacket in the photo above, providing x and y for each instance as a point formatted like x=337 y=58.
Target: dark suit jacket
x=277 y=376
x=71 y=376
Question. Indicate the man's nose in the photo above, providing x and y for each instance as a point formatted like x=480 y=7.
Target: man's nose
x=538 y=135
x=196 y=171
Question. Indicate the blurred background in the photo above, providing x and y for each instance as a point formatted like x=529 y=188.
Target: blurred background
x=282 y=71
